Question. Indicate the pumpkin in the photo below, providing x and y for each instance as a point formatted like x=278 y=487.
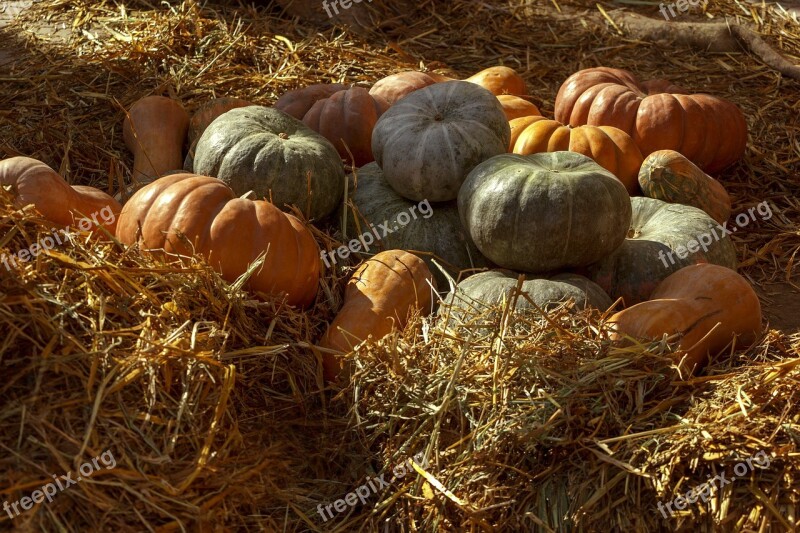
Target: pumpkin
x=183 y=214
x=346 y=119
x=708 y=130
x=276 y=156
x=499 y=80
x=515 y=107
x=667 y=175
x=204 y=116
x=380 y=296
x=393 y=88
x=33 y=182
x=662 y=239
x=428 y=142
x=154 y=130
x=610 y=147
x=708 y=307
x=544 y=212
x=384 y=220
x=297 y=103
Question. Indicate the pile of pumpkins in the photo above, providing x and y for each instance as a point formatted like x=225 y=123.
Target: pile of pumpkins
x=585 y=206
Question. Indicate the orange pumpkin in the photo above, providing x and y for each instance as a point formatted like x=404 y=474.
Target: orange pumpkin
x=185 y=213
x=154 y=130
x=394 y=87
x=610 y=147
x=296 y=103
x=707 y=306
x=207 y=112
x=516 y=107
x=380 y=296
x=33 y=182
x=500 y=80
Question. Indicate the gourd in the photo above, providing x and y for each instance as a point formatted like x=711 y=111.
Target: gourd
x=154 y=130
x=500 y=80
x=184 y=214
x=296 y=103
x=380 y=296
x=516 y=107
x=396 y=86
x=204 y=116
x=709 y=307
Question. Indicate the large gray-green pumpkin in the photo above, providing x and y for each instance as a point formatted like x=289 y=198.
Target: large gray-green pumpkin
x=659 y=230
x=544 y=212
x=475 y=294
x=416 y=226
x=276 y=156
x=428 y=142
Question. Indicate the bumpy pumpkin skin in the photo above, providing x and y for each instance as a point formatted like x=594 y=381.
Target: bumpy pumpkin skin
x=428 y=142
x=500 y=80
x=380 y=296
x=667 y=175
x=710 y=131
x=279 y=158
x=397 y=86
x=229 y=232
x=706 y=305
x=375 y=207
x=634 y=270
x=33 y=182
x=154 y=130
x=297 y=103
x=544 y=212
x=516 y=107
x=610 y=147
x=347 y=119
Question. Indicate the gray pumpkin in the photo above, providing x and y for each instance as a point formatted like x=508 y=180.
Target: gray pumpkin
x=544 y=212
x=428 y=142
x=276 y=156
x=657 y=231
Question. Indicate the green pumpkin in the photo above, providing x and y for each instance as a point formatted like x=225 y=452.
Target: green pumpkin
x=544 y=212
x=658 y=231
x=276 y=156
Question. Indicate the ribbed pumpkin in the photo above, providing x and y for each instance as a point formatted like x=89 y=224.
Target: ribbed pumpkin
x=667 y=175
x=185 y=213
x=154 y=130
x=610 y=147
x=500 y=80
x=276 y=156
x=396 y=86
x=710 y=308
x=708 y=130
x=515 y=107
x=380 y=296
x=33 y=182
x=544 y=212
x=209 y=111
x=658 y=231
x=296 y=103
x=428 y=142
x=346 y=119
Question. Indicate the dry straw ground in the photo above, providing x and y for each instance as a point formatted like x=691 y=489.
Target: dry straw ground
x=213 y=403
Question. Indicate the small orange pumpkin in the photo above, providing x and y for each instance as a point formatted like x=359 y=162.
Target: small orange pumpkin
x=396 y=86
x=516 y=107
x=207 y=112
x=154 y=130
x=500 y=80
x=296 y=103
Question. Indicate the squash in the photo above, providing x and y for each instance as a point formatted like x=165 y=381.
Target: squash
x=346 y=119
x=610 y=147
x=708 y=130
x=384 y=220
x=380 y=296
x=667 y=175
x=182 y=214
x=709 y=308
x=209 y=111
x=154 y=130
x=515 y=107
x=544 y=212
x=33 y=182
x=297 y=103
x=428 y=142
x=662 y=239
x=276 y=156
x=500 y=80
x=396 y=86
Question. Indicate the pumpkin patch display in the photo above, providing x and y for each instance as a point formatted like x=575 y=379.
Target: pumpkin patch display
x=297 y=103
x=182 y=214
x=346 y=119
x=500 y=80
x=33 y=182
x=276 y=156
x=154 y=130
x=429 y=141
x=380 y=296
x=544 y=212
x=610 y=147
x=708 y=307
x=658 y=115
x=516 y=107
x=397 y=86
x=662 y=239
x=667 y=175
